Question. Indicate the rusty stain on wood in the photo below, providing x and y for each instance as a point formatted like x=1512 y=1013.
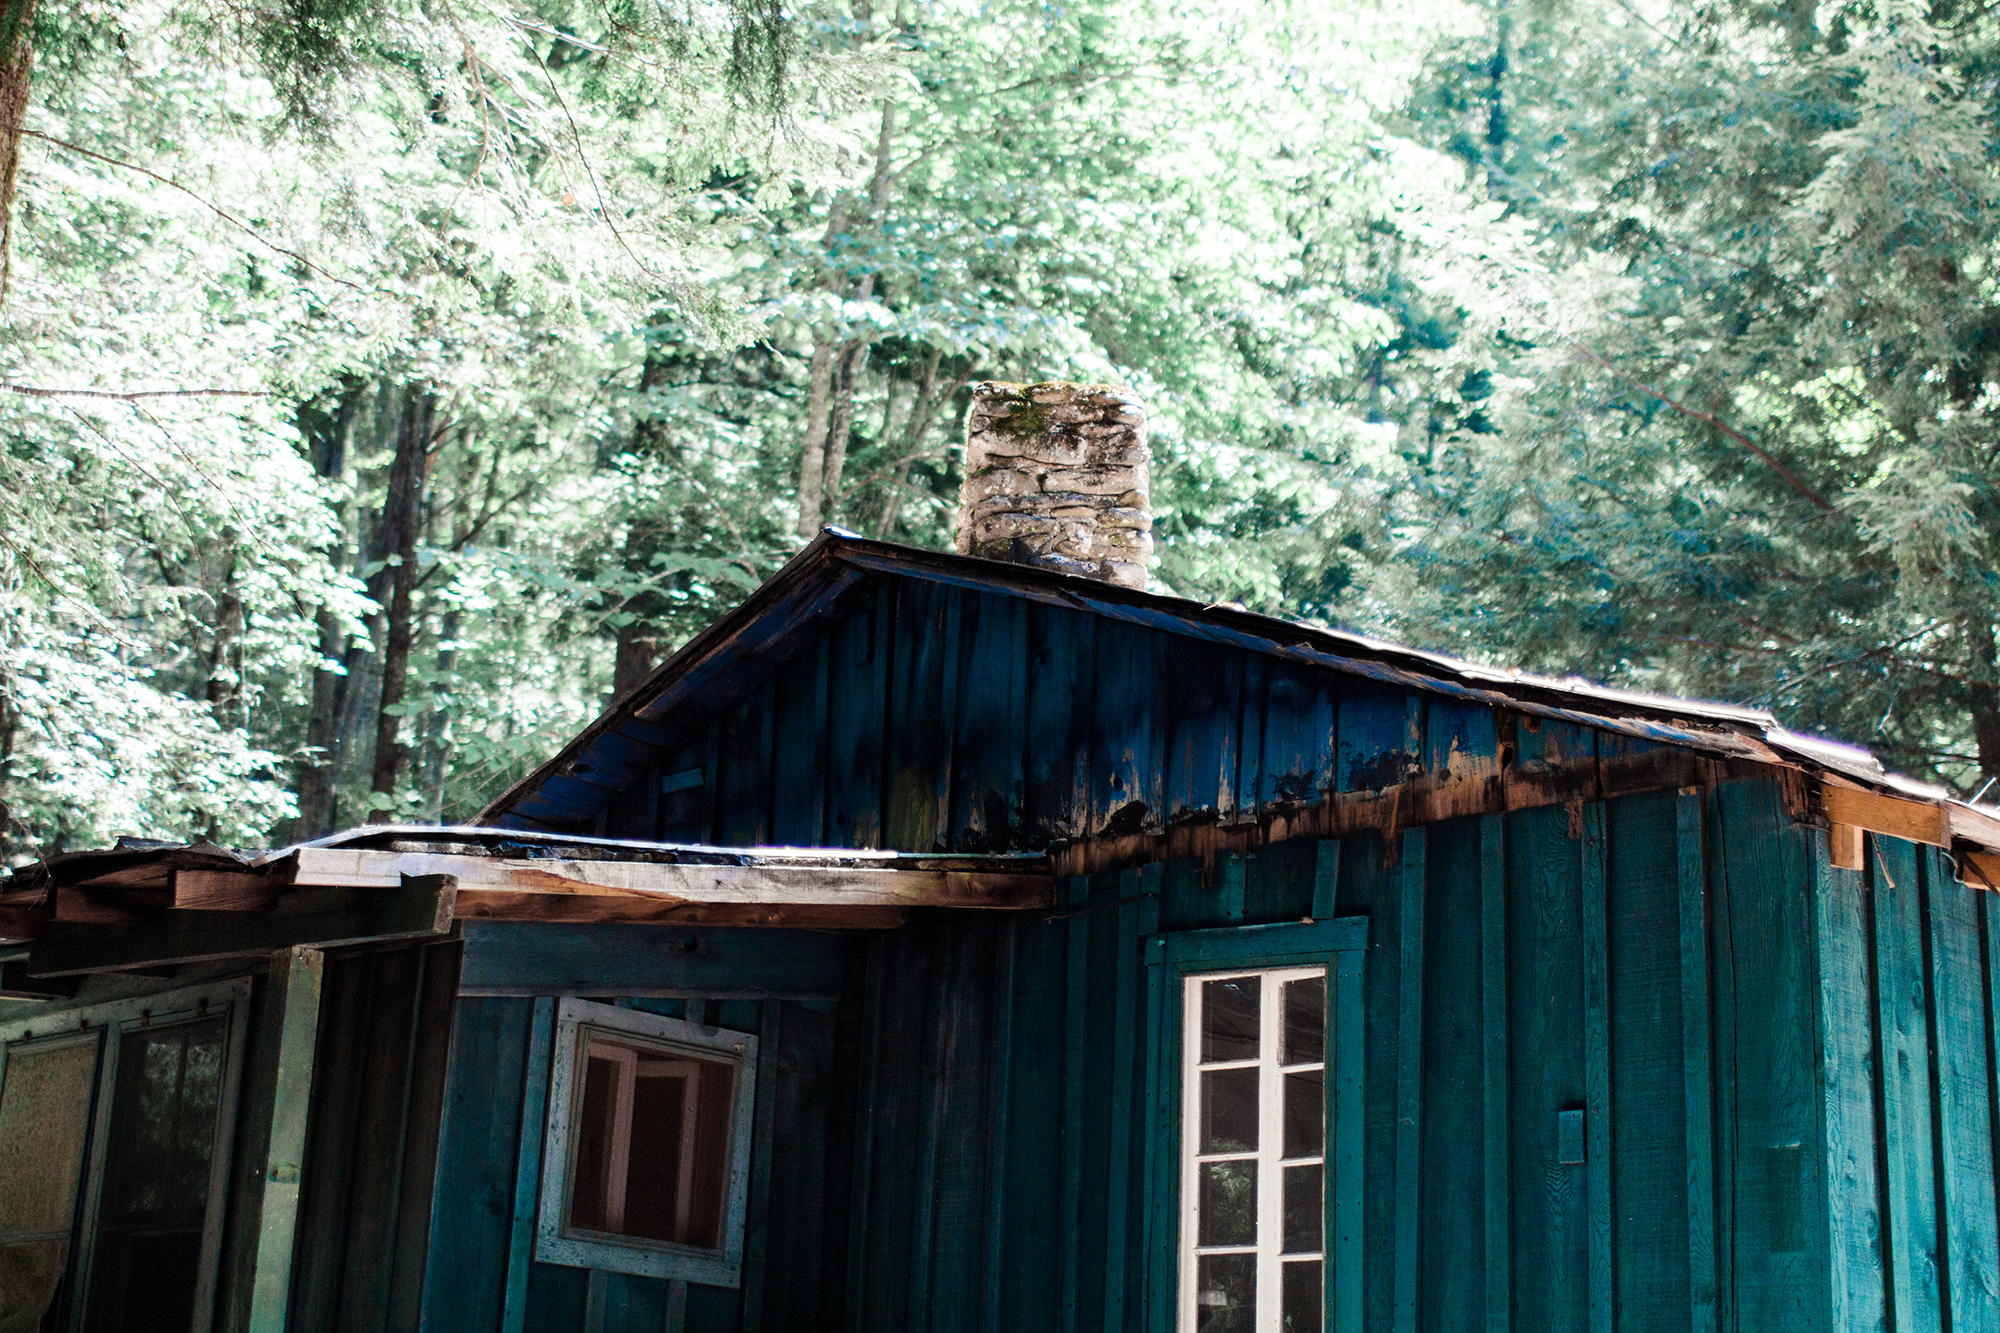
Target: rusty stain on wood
x=1414 y=804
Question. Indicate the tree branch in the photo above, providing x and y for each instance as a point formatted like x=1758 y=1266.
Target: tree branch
x=1819 y=501
x=212 y=207
x=33 y=392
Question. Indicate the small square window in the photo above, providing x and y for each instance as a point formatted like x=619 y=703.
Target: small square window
x=645 y=1165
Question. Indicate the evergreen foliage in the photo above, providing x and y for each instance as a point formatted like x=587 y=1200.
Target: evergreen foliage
x=487 y=352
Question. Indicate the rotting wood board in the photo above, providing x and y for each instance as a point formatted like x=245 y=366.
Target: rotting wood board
x=321 y=918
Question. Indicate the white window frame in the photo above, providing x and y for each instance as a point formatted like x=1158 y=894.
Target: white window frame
x=1339 y=946
x=1269 y=1153
x=106 y=1025
x=558 y=1243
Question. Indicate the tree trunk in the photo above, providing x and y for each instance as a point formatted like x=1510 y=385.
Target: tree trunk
x=402 y=520
x=225 y=683
x=853 y=359
x=812 y=461
x=638 y=653
x=319 y=774
x=17 y=59
x=437 y=729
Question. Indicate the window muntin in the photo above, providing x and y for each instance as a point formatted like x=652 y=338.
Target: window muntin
x=646 y=1159
x=1253 y=1186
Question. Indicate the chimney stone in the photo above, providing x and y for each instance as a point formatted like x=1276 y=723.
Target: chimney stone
x=1056 y=476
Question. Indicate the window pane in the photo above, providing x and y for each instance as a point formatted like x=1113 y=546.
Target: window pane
x=1304 y=1027
x=1229 y=1026
x=1225 y=1296
x=1228 y=1203
x=1304 y=1307
x=1305 y=1209
x=1228 y=1110
x=1305 y=1113
x=650 y=1143
x=44 y=1118
x=166 y=1099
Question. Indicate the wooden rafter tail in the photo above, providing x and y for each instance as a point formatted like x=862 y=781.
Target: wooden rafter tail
x=1891 y=816
x=1845 y=846
x=1853 y=812
x=1978 y=866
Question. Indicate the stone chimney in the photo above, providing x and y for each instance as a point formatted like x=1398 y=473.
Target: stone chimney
x=1056 y=476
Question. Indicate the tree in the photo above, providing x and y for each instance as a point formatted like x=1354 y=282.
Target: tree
x=1738 y=440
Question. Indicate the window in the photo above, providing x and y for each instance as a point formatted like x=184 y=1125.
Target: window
x=1266 y=1156
x=1253 y=1189
x=647 y=1158
x=114 y=1145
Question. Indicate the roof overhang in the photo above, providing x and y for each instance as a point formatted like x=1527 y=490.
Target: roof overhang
x=157 y=906
x=706 y=675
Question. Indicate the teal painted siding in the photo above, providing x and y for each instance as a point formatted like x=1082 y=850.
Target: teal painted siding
x=1628 y=1064
x=937 y=718
x=1621 y=1078
x=1906 y=1000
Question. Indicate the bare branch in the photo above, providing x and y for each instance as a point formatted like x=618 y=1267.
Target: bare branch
x=34 y=392
x=209 y=204
x=1819 y=502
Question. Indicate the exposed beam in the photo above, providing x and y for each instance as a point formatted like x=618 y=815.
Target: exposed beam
x=1916 y=821
x=323 y=918
x=664 y=910
x=535 y=889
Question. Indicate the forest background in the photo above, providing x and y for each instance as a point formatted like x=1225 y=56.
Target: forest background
x=384 y=383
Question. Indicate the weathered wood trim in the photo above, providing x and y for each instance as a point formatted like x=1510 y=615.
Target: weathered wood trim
x=22 y=923
x=1427 y=800
x=1844 y=846
x=1914 y=821
x=487 y=884
x=579 y=909
x=320 y=918
x=528 y=1165
x=1976 y=866
x=297 y=979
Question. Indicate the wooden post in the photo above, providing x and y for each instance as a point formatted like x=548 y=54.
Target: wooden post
x=296 y=978
x=528 y=1168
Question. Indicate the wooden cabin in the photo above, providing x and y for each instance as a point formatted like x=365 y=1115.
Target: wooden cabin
x=945 y=944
